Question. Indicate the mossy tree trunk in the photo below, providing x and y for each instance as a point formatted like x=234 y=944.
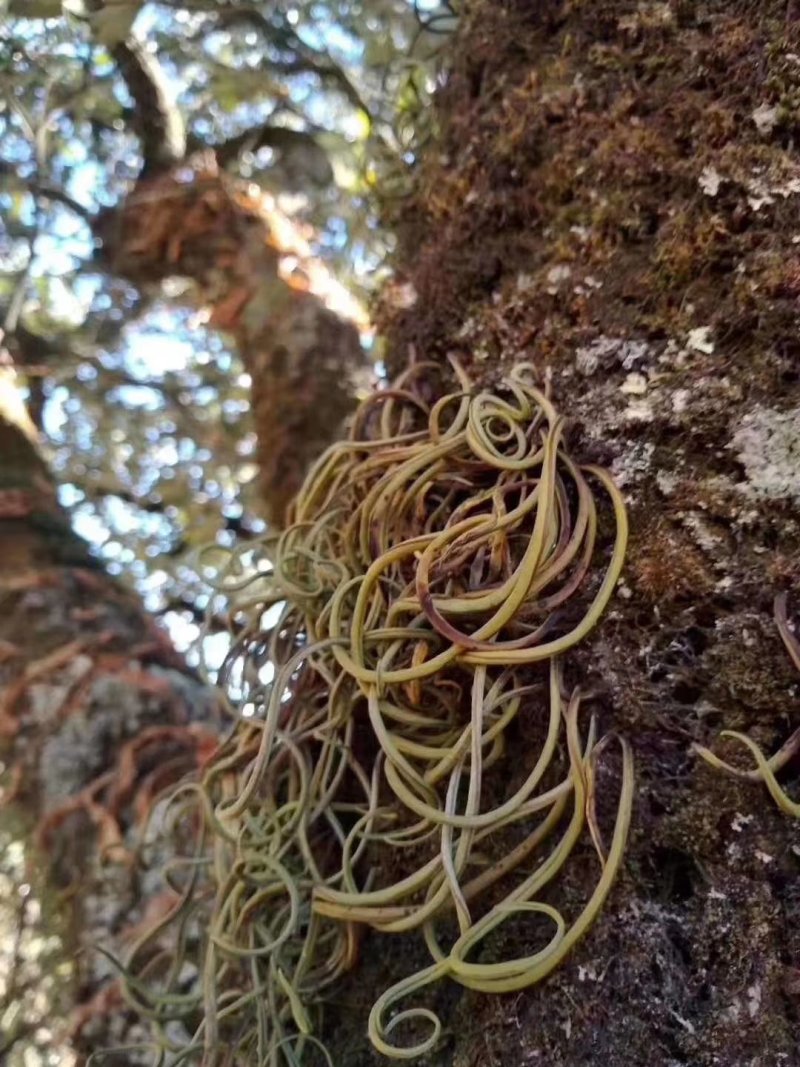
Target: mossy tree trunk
x=616 y=197
x=97 y=712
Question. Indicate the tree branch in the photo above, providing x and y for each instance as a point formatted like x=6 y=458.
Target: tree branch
x=48 y=192
x=35 y=9
x=51 y=192
x=156 y=119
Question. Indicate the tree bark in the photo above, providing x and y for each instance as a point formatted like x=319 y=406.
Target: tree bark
x=254 y=273
x=97 y=713
x=616 y=197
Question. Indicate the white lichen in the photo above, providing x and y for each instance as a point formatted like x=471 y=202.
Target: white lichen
x=762 y=192
x=639 y=411
x=702 y=533
x=754 y=999
x=606 y=351
x=667 y=481
x=768 y=445
x=710 y=180
x=699 y=340
x=634 y=385
x=765 y=118
x=599 y=352
x=556 y=276
x=632 y=353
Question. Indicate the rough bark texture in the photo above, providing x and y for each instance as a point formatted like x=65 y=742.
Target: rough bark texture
x=295 y=328
x=97 y=712
x=616 y=196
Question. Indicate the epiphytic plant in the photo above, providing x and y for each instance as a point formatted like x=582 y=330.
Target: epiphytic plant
x=386 y=647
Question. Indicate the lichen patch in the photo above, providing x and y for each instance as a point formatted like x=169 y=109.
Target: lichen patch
x=768 y=445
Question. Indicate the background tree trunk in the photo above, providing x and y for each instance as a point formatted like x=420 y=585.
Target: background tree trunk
x=616 y=196
x=97 y=712
x=294 y=327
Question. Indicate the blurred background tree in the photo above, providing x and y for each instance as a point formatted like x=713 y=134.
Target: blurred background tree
x=190 y=195
x=144 y=404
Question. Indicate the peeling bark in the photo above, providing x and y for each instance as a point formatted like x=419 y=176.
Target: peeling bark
x=97 y=713
x=295 y=328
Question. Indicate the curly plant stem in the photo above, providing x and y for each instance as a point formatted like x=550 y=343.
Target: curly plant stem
x=387 y=654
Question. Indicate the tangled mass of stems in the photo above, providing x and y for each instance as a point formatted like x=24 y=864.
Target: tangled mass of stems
x=404 y=755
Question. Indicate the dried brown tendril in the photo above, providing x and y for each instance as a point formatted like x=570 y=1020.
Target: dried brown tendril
x=385 y=647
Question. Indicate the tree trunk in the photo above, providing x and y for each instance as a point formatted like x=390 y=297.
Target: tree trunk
x=295 y=328
x=616 y=197
x=97 y=713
